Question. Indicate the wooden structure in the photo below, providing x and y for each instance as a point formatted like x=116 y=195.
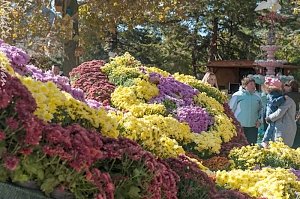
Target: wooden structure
x=232 y=71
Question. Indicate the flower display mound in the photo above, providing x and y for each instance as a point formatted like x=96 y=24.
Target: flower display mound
x=61 y=142
x=51 y=139
x=73 y=158
x=166 y=114
x=92 y=81
x=170 y=115
x=83 y=162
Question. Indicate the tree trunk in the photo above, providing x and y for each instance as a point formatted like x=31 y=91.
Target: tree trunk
x=195 y=47
x=214 y=39
x=229 y=48
x=114 y=41
x=69 y=56
x=70 y=45
x=194 y=63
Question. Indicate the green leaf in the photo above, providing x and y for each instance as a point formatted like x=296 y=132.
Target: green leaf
x=2 y=148
x=30 y=168
x=134 y=192
x=19 y=176
x=136 y=172
x=49 y=185
x=40 y=174
x=61 y=178
x=3 y=174
x=119 y=195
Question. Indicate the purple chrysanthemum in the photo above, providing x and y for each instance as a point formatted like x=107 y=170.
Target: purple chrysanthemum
x=197 y=118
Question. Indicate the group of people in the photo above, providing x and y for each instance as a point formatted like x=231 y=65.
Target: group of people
x=274 y=109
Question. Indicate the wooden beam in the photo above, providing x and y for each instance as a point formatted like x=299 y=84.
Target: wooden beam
x=231 y=63
x=240 y=64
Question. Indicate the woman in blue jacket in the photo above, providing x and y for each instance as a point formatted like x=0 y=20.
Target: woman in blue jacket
x=246 y=105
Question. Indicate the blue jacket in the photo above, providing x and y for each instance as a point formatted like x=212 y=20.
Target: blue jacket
x=247 y=107
x=274 y=100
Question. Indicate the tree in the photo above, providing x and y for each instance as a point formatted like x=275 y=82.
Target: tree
x=27 y=24
x=105 y=17
x=70 y=9
x=175 y=35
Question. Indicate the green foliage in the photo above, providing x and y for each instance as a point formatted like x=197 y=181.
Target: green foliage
x=177 y=36
x=57 y=173
x=296 y=9
x=50 y=173
x=170 y=105
x=62 y=117
x=3 y=174
x=124 y=79
x=173 y=35
x=29 y=169
x=288 y=35
x=47 y=172
x=5 y=18
x=130 y=13
x=188 y=188
x=205 y=154
x=123 y=70
x=131 y=178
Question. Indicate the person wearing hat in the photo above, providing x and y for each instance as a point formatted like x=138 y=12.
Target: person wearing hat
x=275 y=98
x=246 y=105
x=281 y=120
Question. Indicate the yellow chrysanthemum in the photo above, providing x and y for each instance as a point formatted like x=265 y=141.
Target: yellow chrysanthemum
x=277 y=154
x=270 y=183
x=50 y=99
x=153 y=130
x=5 y=65
x=157 y=70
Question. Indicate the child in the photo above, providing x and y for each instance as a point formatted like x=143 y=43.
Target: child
x=274 y=100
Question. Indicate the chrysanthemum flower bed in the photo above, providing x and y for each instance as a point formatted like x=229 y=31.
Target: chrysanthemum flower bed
x=121 y=134
x=51 y=137
x=78 y=159
x=169 y=114
x=175 y=114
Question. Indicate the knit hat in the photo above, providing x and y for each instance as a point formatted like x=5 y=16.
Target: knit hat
x=259 y=79
x=273 y=82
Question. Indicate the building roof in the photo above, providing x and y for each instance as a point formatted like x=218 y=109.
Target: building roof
x=231 y=64
x=240 y=64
